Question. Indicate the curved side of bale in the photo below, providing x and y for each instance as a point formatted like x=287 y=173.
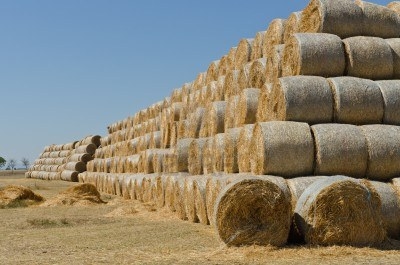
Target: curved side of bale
x=243 y=150
x=195 y=160
x=291 y=26
x=243 y=52
x=138 y=187
x=320 y=210
x=323 y=16
x=89 y=149
x=390 y=206
x=303 y=98
x=208 y=158
x=258 y=73
x=247 y=107
x=244 y=76
x=181 y=153
x=218 y=152
x=212 y=72
x=395 y=48
x=368 y=57
x=199 y=190
x=307 y=54
x=282 y=148
x=75 y=166
x=182 y=129
x=264 y=103
x=216 y=111
x=274 y=63
x=273 y=36
x=391 y=99
x=340 y=149
x=69 y=175
x=80 y=158
x=383 y=151
x=231 y=107
x=231 y=85
x=298 y=185
x=231 y=138
x=356 y=100
x=126 y=184
x=254 y=211
x=230 y=62
x=379 y=20
x=256 y=49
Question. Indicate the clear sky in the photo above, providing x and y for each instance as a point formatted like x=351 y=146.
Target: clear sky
x=70 y=68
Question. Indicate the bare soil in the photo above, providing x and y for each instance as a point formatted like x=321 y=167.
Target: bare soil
x=129 y=232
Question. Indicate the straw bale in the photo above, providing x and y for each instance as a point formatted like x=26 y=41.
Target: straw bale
x=189 y=198
x=148 y=187
x=298 y=185
x=195 y=119
x=256 y=49
x=213 y=92
x=69 y=175
x=243 y=150
x=64 y=153
x=176 y=95
x=324 y=15
x=76 y=166
x=340 y=149
x=126 y=185
x=232 y=105
x=244 y=76
x=308 y=54
x=216 y=116
x=390 y=206
x=282 y=148
x=274 y=63
x=169 y=191
x=391 y=99
x=208 y=158
x=273 y=36
x=243 y=52
x=254 y=211
x=231 y=140
x=383 y=151
x=200 y=81
x=179 y=197
x=218 y=152
x=291 y=26
x=181 y=153
x=223 y=66
x=89 y=149
x=195 y=160
x=231 y=84
x=247 y=107
x=368 y=57
x=199 y=191
x=264 y=103
x=258 y=71
x=395 y=48
x=80 y=157
x=230 y=60
x=357 y=101
x=90 y=139
x=155 y=140
x=138 y=187
x=303 y=98
x=320 y=212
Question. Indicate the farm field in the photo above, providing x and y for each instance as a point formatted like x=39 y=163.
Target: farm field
x=129 y=232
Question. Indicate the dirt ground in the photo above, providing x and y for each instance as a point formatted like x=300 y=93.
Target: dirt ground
x=129 y=232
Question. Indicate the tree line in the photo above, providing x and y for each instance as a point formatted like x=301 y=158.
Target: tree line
x=12 y=163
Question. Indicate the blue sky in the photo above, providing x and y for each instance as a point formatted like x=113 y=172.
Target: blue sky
x=70 y=68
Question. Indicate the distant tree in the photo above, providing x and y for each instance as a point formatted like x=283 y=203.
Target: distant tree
x=11 y=164
x=2 y=162
x=25 y=162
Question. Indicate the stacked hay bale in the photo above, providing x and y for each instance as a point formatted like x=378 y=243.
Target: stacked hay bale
x=303 y=100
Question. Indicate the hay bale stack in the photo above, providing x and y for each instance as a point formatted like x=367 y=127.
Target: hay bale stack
x=244 y=76
x=232 y=105
x=189 y=198
x=324 y=15
x=155 y=140
x=200 y=81
x=231 y=84
x=264 y=103
x=212 y=72
x=303 y=98
x=391 y=101
x=218 y=152
x=258 y=73
x=132 y=164
x=69 y=175
x=282 y=148
x=230 y=60
x=231 y=140
x=379 y=20
x=357 y=101
x=243 y=150
x=208 y=158
x=195 y=119
x=254 y=211
x=90 y=139
x=182 y=129
x=274 y=63
x=223 y=66
x=243 y=52
x=247 y=107
x=340 y=149
x=195 y=160
x=308 y=54
x=256 y=49
x=273 y=36
x=368 y=57
x=159 y=190
x=179 y=197
x=298 y=185
x=395 y=48
x=80 y=158
x=181 y=154
x=88 y=149
x=200 y=204
x=75 y=166
x=216 y=112
x=383 y=143
x=320 y=210
x=292 y=25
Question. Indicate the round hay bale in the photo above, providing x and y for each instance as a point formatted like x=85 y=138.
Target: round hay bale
x=159 y=190
x=200 y=81
x=138 y=187
x=368 y=57
x=195 y=159
x=231 y=139
x=323 y=16
x=90 y=139
x=395 y=6
x=258 y=73
x=220 y=89
x=340 y=211
x=231 y=84
x=264 y=102
x=199 y=191
x=179 y=197
x=273 y=36
x=379 y=20
x=69 y=175
x=383 y=151
x=189 y=198
x=182 y=129
x=80 y=158
x=243 y=150
x=244 y=77
x=340 y=149
x=243 y=52
x=223 y=66
x=155 y=140
x=88 y=149
x=148 y=187
x=274 y=63
x=195 y=120
x=75 y=166
x=292 y=26
x=254 y=211
x=395 y=48
x=230 y=62
x=390 y=206
x=303 y=98
x=208 y=158
x=247 y=105
x=299 y=184
x=232 y=105
x=212 y=72
x=391 y=99
x=357 y=101
x=181 y=153
x=126 y=184
x=282 y=148
x=218 y=152
x=256 y=49
x=170 y=180
x=307 y=54
x=216 y=112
